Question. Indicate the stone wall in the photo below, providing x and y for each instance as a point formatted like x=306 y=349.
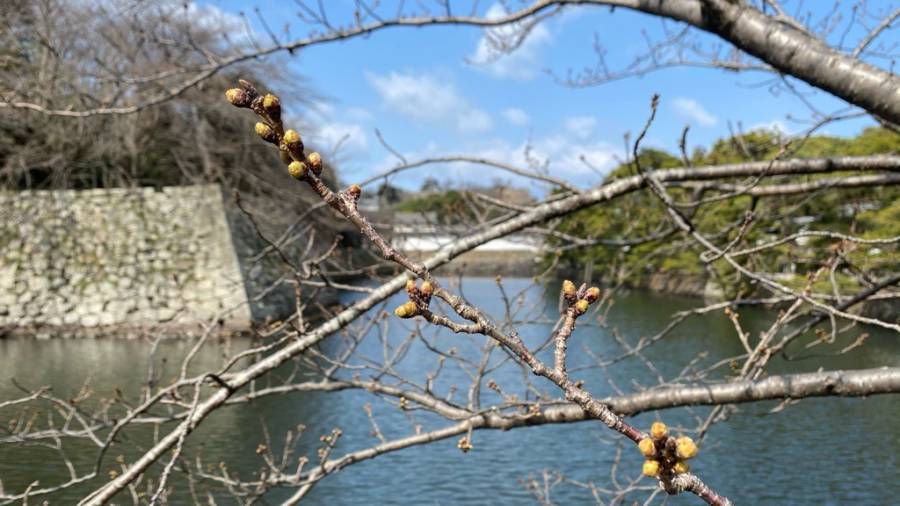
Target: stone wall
x=119 y=257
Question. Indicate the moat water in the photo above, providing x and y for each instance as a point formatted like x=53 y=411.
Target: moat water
x=815 y=452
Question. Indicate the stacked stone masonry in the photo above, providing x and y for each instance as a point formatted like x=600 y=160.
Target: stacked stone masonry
x=119 y=257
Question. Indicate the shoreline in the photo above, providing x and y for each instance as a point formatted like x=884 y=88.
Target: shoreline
x=884 y=308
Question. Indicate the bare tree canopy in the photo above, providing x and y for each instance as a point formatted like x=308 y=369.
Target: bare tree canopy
x=780 y=43
x=789 y=243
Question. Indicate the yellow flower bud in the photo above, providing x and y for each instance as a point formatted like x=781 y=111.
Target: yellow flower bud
x=271 y=103
x=568 y=288
x=293 y=140
x=651 y=468
x=297 y=169
x=272 y=106
x=315 y=162
x=581 y=306
x=238 y=97
x=354 y=191
x=647 y=447
x=658 y=430
x=266 y=132
x=685 y=448
x=407 y=310
x=592 y=294
x=427 y=288
x=681 y=467
x=410 y=286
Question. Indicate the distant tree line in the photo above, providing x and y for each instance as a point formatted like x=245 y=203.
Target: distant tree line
x=651 y=248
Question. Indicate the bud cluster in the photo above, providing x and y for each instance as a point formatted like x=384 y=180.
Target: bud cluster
x=579 y=298
x=419 y=297
x=271 y=129
x=666 y=456
x=330 y=441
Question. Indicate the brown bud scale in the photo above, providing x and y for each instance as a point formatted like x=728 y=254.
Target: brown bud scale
x=315 y=162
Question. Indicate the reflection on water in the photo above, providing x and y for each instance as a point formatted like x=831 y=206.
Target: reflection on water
x=819 y=451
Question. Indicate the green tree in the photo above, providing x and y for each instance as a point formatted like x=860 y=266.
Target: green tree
x=621 y=255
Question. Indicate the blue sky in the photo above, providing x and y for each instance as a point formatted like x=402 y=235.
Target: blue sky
x=428 y=93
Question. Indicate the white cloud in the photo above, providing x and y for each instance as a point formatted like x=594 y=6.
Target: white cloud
x=516 y=116
x=692 y=110
x=563 y=154
x=502 y=51
x=776 y=125
x=581 y=158
x=474 y=120
x=426 y=98
x=350 y=137
x=421 y=97
x=327 y=132
x=581 y=126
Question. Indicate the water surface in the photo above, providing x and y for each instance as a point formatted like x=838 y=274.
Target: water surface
x=818 y=451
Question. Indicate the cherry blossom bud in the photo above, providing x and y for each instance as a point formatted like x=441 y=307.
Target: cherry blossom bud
x=238 y=97
x=407 y=310
x=651 y=468
x=658 y=430
x=568 y=289
x=685 y=448
x=297 y=169
x=581 y=307
x=249 y=88
x=266 y=133
x=272 y=106
x=647 y=447
x=293 y=141
x=315 y=162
